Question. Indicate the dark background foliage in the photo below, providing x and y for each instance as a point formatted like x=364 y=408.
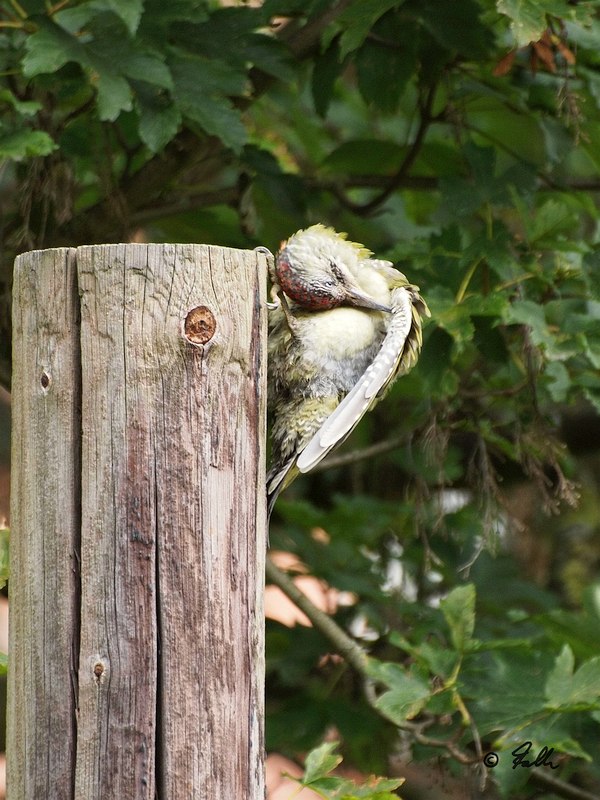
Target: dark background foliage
x=460 y=140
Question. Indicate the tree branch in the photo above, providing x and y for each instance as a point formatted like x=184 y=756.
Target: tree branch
x=396 y=181
x=542 y=777
x=191 y=203
x=303 y=41
x=343 y=644
x=360 y=455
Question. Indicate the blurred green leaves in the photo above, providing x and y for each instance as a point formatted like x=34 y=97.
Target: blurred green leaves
x=460 y=140
x=317 y=776
x=167 y=72
x=458 y=609
x=529 y=18
x=570 y=690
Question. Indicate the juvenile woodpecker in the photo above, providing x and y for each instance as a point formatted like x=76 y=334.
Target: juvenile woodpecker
x=344 y=326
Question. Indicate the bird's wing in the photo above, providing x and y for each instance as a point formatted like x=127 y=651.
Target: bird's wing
x=390 y=359
x=277 y=480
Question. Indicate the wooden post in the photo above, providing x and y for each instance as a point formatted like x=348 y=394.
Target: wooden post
x=138 y=524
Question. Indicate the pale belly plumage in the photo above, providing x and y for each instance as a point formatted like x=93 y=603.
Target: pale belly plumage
x=326 y=354
x=314 y=368
x=339 y=344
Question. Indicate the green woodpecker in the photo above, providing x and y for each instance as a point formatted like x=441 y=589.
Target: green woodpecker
x=344 y=326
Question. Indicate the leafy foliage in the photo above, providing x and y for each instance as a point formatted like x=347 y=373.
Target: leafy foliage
x=462 y=141
x=319 y=764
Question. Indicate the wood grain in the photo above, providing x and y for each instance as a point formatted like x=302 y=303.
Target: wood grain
x=45 y=505
x=172 y=525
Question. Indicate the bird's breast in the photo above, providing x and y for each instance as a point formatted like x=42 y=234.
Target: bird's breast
x=341 y=342
x=342 y=331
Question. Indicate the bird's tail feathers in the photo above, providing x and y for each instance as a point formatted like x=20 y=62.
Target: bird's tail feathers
x=278 y=478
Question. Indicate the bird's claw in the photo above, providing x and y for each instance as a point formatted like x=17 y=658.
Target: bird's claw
x=264 y=250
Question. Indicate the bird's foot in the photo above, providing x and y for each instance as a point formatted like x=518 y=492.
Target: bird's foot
x=264 y=250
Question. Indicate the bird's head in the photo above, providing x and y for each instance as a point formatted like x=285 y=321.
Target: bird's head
x=314 y=268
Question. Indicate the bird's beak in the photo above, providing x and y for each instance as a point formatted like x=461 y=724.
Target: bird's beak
x=356 y=298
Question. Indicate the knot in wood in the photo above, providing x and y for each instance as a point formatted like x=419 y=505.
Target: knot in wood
x=200 y=325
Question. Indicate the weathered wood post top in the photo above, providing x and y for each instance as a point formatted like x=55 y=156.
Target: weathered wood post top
x=138 y=524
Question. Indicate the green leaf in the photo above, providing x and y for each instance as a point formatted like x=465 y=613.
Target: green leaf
x=195 y=76
x=558 y=683
x=320 y=761
x=159 y=122
x=76 y=18
x=552 y=218
x=3 y=663
x=50 y=48
x=329 y=787
x=586 y=682
x=515 y=678
x=269 y=55
x=579 y=630
x=199 y=88
x=528 y=18
x=526 y=312
x=592 y=351
x=384 y=72
x=24 y=107
x=130 y=11
x=435 y=656
x=593 y=396
x=114 y=94
x=454 y=317
x=25 y=144
x=326 y=70
x=407 y=694
x=458 y=609
x=560 y=381
x=403 y=702
x=228 y=35
x=568 y=690
x=491 y=305
x=456 y=26
x=144 y=67
x=218 y=117
x=358 y=18
x=374 y=791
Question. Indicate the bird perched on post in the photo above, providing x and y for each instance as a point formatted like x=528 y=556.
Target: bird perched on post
x=344 y=326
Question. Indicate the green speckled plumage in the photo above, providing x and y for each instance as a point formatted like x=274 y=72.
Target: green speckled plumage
x=318 y=357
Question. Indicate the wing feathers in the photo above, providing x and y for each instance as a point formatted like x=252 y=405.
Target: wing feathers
x=372 y=383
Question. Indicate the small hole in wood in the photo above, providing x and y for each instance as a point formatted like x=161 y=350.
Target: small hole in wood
x=200 y=325
x=98 y=670
x=45 y=380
